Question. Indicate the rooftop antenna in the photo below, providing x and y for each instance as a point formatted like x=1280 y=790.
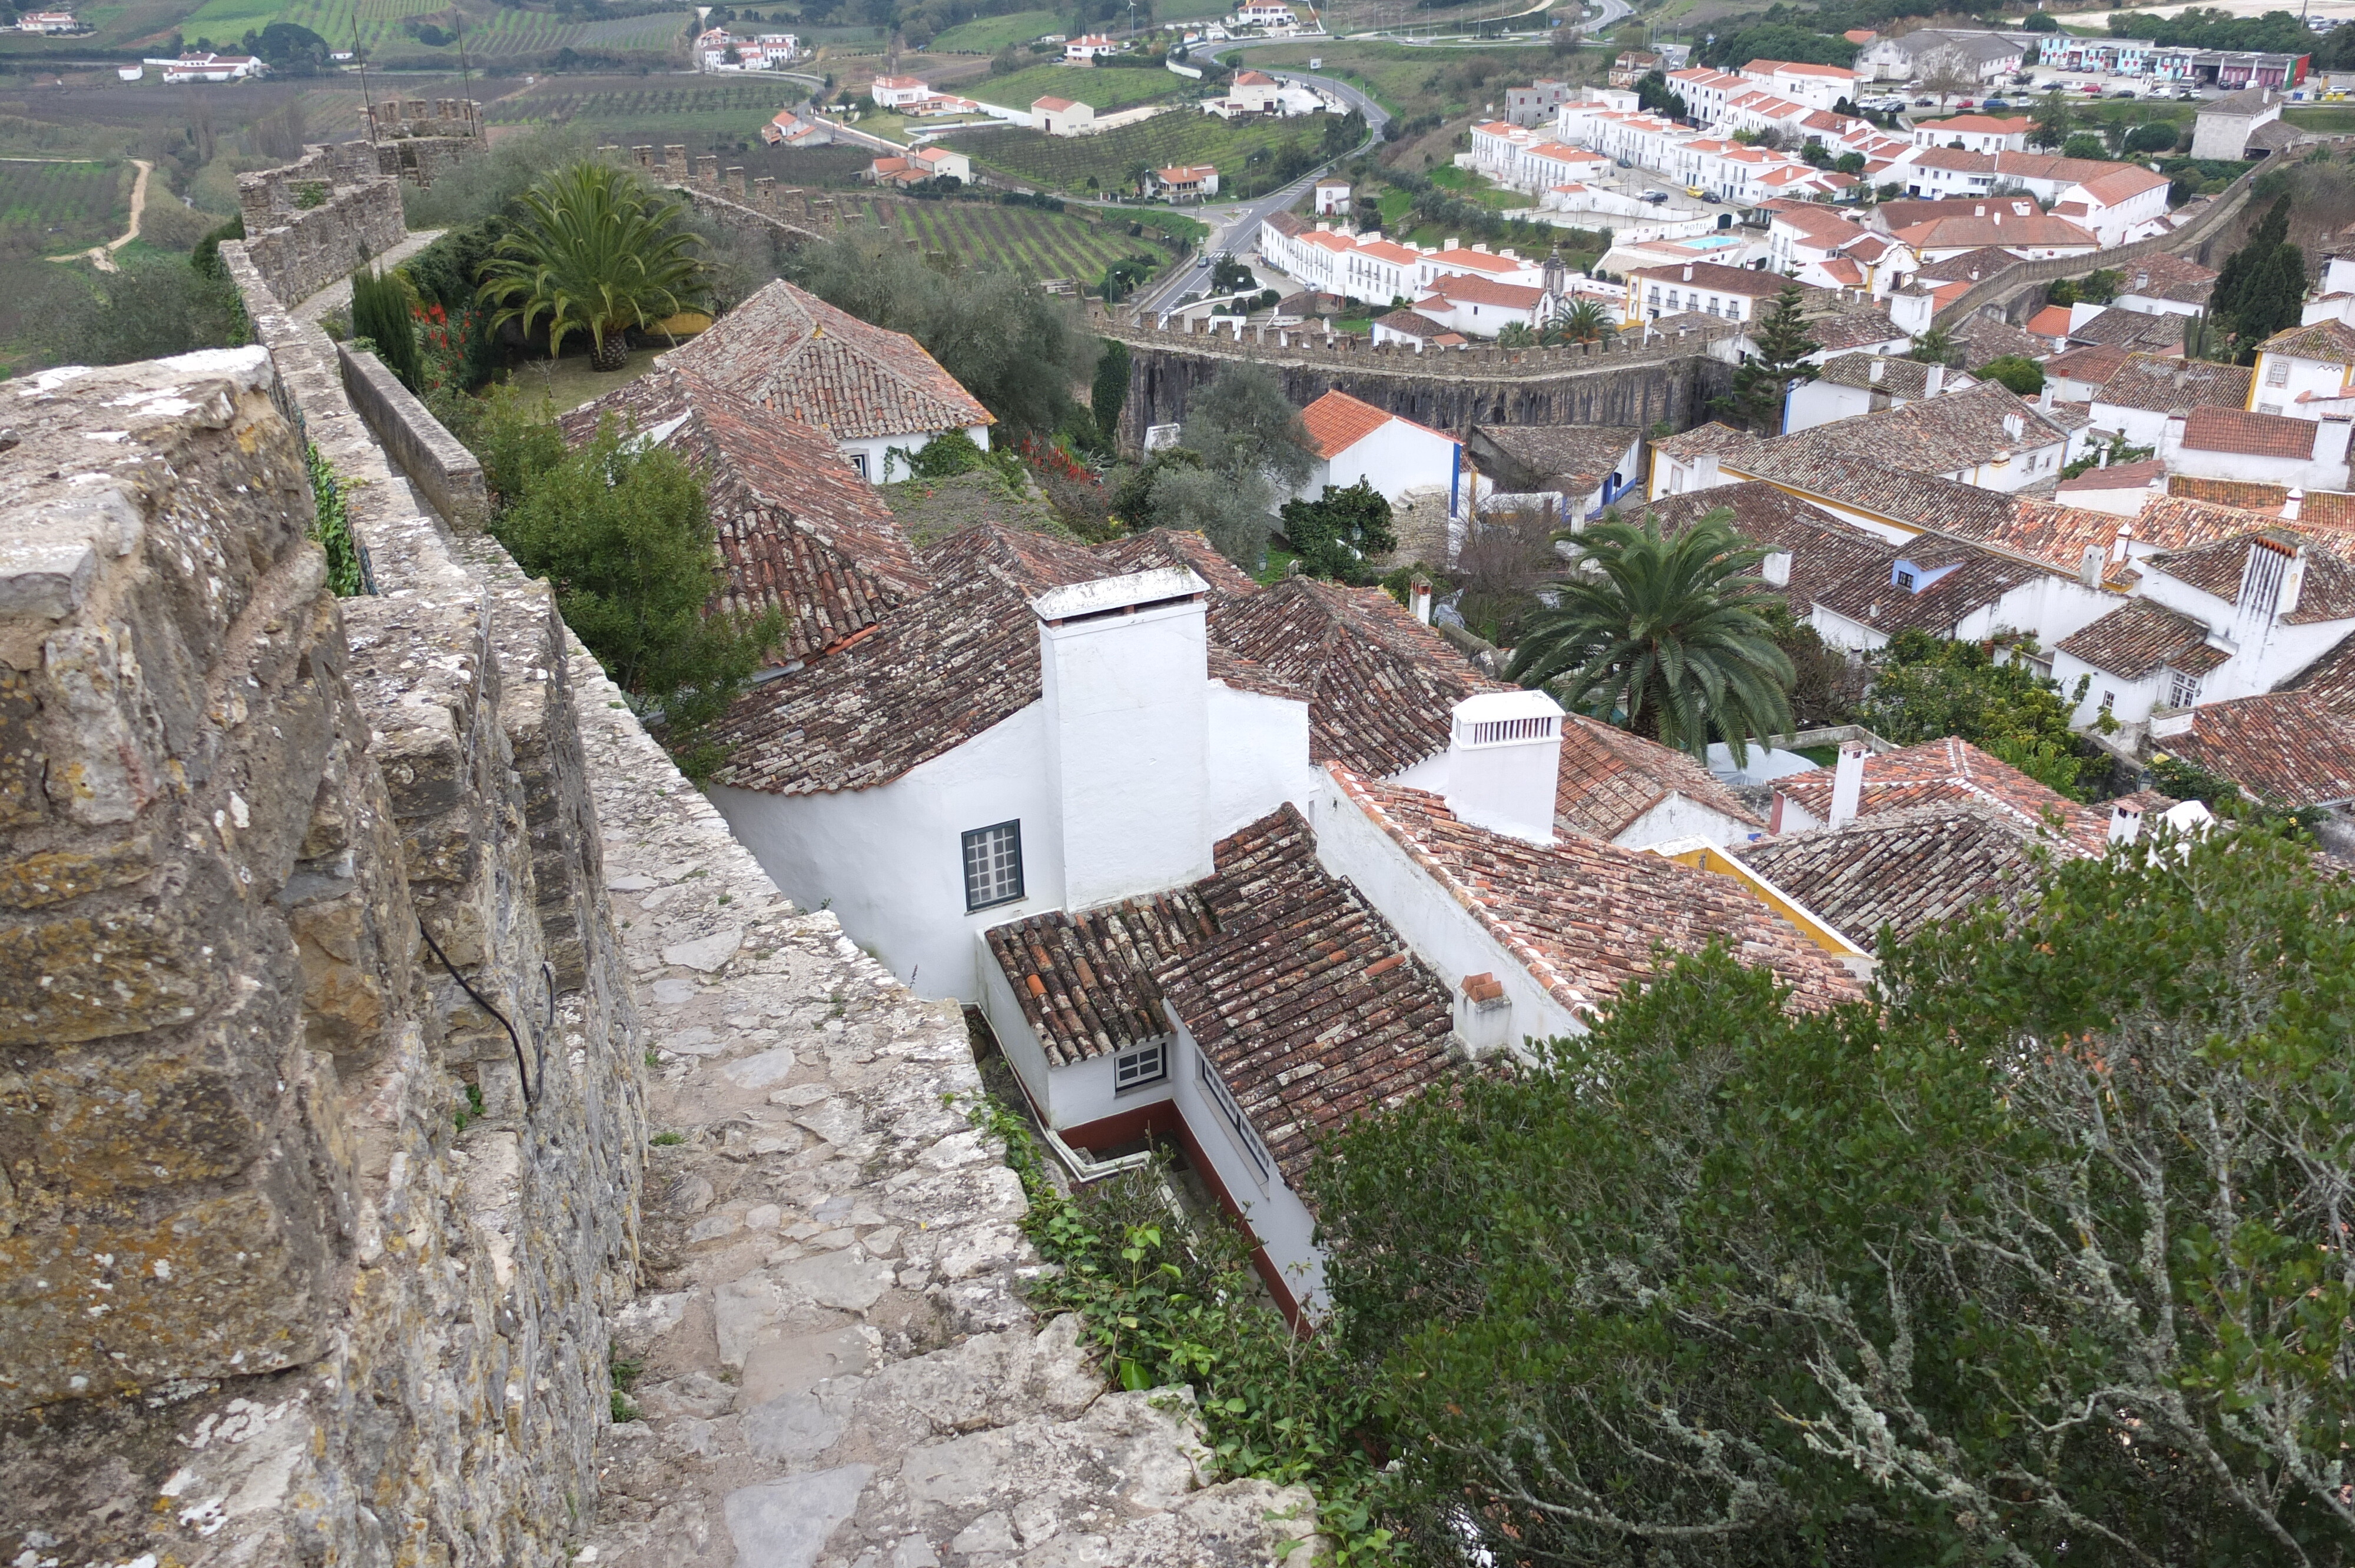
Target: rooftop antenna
x=458 y=23
x=361 y=56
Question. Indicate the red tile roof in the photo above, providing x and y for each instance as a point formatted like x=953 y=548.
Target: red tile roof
x=2288 y=747
x=2159 y=383
x=790 y=351
x=1338 y=421
x=2174 y=278
x=1823 y=549
x=2094 y=363
x=2140 y=637
x=1725 y=279
x=1486 y=291
x=2328 y=592
x=2117 y=476
x=2237 y=430
x=2331 y=678
x=1951 y=771
x=2332 y=341
x=2053 y=321
x=1907 y=869
x=1382 y=683
x=1587 y=919
x=1084 y=981
x=799 y=531
x=1610 y=777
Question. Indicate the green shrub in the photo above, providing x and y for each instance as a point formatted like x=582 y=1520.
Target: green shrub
x=381 y=315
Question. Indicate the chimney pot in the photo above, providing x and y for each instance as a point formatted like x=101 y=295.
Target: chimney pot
x=1848 y=783
x=1504 y=761
x=2125 y=824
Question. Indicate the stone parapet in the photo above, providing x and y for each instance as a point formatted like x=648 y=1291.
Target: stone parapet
x=315 y=220
x=437 y=463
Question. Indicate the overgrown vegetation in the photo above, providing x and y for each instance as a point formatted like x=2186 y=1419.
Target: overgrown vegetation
x=331 y=526
x=1924 y=688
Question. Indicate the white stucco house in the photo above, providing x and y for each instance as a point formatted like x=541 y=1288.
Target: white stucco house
x=2235 y=443
x=1063 y=116
x=878 y=392
x=2307 y=372
x=1356 y=441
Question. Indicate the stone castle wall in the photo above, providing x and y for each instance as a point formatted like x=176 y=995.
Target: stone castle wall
x=317 y=219
x=276 y=1287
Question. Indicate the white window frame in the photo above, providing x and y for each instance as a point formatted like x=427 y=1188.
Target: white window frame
x=1237 y=1123
x=1904 y=577
x=978 y=838
x=2182 y=690
x=1140 y=1069
x=859 y=463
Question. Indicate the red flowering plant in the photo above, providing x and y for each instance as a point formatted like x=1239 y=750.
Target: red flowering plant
x=450 y=342
x=1051 y=457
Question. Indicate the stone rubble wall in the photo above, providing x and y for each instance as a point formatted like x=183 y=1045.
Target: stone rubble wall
x=835 y=1361
x=353 y=213
x=267 y=1301
x=448 y=475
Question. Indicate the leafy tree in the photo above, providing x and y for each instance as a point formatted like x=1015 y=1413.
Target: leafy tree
x=1654 y=93
x=594 y=250
x=153 y=307
x=1334 y=534
x=1765 y=379
x=2085 y=144
x=622 y=530
x=1814 y=154
x=1779 y=40
x=1586 y=321
x=1925 y=688
x=1015 y=349
x=1249 y=433
x=1825 y=684
x=2158 y=136
x=2022 y=374
x=1195 y=500
x=1849 y=163
x=2254 y=288
x=1665 y=635
x=2035 y=1257
x=382 y=314
x=1935 y=346
x=2039 y=22
x=1230 y=276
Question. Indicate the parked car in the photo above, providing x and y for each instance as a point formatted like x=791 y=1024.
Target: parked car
x=1997 y=103
x=2125 y=92
x=1656 y=196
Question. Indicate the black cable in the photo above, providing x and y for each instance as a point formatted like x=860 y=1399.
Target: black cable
x=522 y=1073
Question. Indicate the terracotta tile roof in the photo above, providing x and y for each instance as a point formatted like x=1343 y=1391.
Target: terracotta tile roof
x=1982 y=338
x=1899 y=377
x=1905 y=869
x=1725 y=279
x=2332 y=341
x=792 y=351
x=2094 y=363
x=1487 y=291
x=1587 y=919
x=1823 y=548
x=2329 y=679
x=1932 y=435
x=2040 y=230
x=2327 y=594
x=1338 y=421
x=1948 y=772
x=798 y=530
x=1085 y=983
x=2156 y=384
x=2053 y=321
x=2237 y=430
x=2140 y=637
x=1870 y=597
x=1412 y=324
x=1610 y=777
x=2250 y=495
x=2123 y=183
x=1967 y=268
x=1169 y=547
x=2177 y=279
x=2133 y=330
x=2058 y=533
x=1853 y=329
x=2288 y=747
x=1382 y=683
x=1312 y=1009
x=1053 y=105
x=1558 y=457
x=934 y=673
x=1899 y=495
x=2117 y=476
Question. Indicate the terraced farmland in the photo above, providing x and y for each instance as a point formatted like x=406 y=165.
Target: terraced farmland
x=50 y=209
x=1041 y=244
x=1182 y=136
x=494 y=32
x=1119 y=87
x=681 y=105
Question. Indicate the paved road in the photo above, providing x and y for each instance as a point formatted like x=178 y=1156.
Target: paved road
x=1235 y=226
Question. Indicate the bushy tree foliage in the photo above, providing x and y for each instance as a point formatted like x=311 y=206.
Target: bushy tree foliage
x=2261 y=288
x=1764 y=380
x=622 y=530
x=1665 y=634
x=2017 y=371
x=593 y=251
x=2039 y=1258
x=1925 y=688
x=1334 y=534
x=154 y=306
x=381 y=315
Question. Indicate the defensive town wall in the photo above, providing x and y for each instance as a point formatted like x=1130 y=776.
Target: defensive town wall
x=338 y=940
x=1628 y=381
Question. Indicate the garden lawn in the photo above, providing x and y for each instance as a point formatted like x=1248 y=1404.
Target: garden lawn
x=1119 y=87
x=1182 y=136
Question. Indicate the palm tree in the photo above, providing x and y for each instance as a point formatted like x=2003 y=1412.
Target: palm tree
x=1584 y=322
x=1665 y=635
x=596 y=252
x=1513 y=334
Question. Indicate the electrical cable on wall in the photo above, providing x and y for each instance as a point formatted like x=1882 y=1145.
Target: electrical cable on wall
x=522 y=1072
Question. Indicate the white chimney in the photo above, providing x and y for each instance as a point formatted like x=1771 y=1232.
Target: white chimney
x=1123 y=677
x=1419 y=599
x=2089 y=567
x=1504 y=763
x=1873 y=372
x=2293 y=582
x=1484 y=1015
x=1776 y=568
x=1687 y=272
x=2293 y=503
x=1848 y=782
x=1934 y=382
x=2121 y=547
x=2014 y=427
x=2125 y=824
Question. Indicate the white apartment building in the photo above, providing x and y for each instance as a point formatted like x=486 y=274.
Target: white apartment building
x=1817 y=86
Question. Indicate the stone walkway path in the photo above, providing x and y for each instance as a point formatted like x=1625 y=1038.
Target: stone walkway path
x=837 y=1366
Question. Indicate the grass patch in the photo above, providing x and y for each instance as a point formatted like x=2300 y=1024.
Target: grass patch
x=1041 y=244
x=1067 y=163
x=987 y=34
x=1103 y=90
x=2329 y=118
x=1478 y=188
x=1175 y=225
x=738 y=105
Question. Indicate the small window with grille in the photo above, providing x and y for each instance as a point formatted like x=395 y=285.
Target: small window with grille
x=993 y=865
x=2277 y=373
x=1135 y=1069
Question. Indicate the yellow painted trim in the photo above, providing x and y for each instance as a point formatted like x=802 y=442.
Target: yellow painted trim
x=1723 y=862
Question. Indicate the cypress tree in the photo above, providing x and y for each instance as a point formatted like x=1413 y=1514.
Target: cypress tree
x=2232 y=280
x=2275 y=298
x=380 y=314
